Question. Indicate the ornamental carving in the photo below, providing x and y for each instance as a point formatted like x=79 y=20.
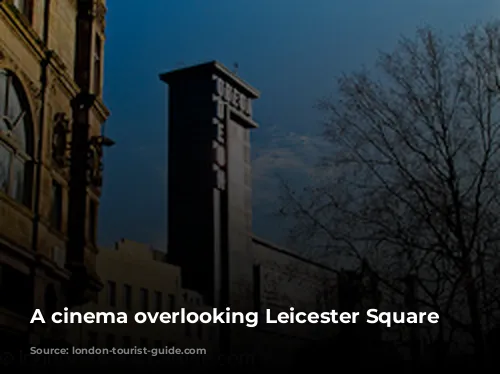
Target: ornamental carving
x=94 y=164
x=60 y=140
x=31 y=85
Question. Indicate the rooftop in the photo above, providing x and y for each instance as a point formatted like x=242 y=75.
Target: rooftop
x=207 y=68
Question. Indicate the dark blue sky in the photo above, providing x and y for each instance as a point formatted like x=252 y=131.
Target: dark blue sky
x=291 y=50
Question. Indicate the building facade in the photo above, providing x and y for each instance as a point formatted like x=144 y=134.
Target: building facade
x=283 y=279
x=137 y=278
x=51 y=112
x=210 y=194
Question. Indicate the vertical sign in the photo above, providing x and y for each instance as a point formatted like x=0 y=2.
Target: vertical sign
x=219 y=141
x=225 y=96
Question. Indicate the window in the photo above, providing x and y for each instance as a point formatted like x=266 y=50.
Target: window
x=92 y=234
x=111 y=293
x=248 y=177
x=246 y=154
x=97 y=65
x=127 y=342
x=110 y=341
x=127 y=296
x=59 y=139
x=144 y=299
x=57 y=206
x=92 y=339
x=26 y=8
x=15 y=140
x=171 y=302
x=158 y=301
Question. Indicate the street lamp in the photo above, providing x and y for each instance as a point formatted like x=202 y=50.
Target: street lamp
x=101 y=141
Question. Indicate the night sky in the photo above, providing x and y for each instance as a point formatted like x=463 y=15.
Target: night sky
x=290 y=50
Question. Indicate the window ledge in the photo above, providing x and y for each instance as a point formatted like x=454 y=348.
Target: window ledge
x=16 y=205
x=57 y=233
x=17 y=18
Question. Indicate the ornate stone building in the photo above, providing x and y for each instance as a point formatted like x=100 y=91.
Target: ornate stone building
x=51 y=114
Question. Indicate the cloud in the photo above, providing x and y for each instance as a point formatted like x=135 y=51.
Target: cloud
x=279 y=155
x=275 y=160
x=289 y=156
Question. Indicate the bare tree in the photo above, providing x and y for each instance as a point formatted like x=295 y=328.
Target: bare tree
x=411 y=185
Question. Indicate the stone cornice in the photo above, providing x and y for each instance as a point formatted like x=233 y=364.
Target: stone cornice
x=36 y=47
x=12 y=18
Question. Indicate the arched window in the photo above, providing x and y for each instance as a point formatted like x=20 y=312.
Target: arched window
x=15 y=139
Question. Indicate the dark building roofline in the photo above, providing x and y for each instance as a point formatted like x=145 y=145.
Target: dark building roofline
x=287 y=252
x=207 y=67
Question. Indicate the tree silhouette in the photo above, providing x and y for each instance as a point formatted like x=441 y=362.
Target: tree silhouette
x=411 y=184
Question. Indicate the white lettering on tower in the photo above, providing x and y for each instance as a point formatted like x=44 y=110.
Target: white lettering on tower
x=219 y=142
x=219 y=154
x=220 y=178
x=219 y=131
x=237 y=100
x=220 y=109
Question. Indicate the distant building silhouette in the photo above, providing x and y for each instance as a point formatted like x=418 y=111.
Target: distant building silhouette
x=138 y=279
x=51 y=112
